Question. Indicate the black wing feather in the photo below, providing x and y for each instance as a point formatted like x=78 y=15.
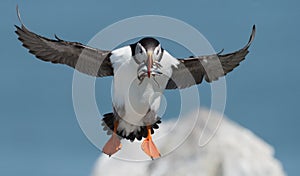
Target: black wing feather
x=191 y=71
x=85 y=59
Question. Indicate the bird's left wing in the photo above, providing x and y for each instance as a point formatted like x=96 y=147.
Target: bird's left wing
x=85 y=59
x=191 y=71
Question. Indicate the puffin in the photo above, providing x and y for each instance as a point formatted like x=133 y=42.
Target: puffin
x=141 y=72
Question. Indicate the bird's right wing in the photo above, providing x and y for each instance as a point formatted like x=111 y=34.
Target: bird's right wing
x=85 y=59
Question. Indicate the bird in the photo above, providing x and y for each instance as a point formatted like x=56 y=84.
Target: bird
x=141 y=72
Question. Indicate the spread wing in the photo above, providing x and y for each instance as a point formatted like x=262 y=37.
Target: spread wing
x=85 y=59
x=191 y=71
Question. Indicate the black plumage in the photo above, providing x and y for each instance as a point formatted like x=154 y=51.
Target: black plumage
x=193 y=70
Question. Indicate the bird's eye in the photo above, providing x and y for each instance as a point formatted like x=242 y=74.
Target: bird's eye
x=141 y=51
x=157 y=52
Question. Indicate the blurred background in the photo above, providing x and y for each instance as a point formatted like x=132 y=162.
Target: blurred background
x=39 y=134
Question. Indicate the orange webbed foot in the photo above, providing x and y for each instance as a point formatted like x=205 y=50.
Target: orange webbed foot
x=149 y=147
x=112 y=146
x=114 y=143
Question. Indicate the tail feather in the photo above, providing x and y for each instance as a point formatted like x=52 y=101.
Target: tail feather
x=108 y=125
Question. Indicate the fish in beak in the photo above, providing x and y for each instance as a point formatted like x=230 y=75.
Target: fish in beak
x=149 y=63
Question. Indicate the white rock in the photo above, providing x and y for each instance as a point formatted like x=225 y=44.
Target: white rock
x=233 y=151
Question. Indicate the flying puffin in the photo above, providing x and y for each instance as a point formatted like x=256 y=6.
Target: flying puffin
x=141 y=72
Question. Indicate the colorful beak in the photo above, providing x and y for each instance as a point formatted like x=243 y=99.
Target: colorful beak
x=149 y=63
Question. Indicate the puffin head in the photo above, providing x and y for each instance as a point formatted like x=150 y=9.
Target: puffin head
x=147 y=55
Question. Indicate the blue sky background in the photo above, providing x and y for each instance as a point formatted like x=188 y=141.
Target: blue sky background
x=39 y=134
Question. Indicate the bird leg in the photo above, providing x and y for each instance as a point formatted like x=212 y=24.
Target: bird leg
x=113 y=144
x=149 y=147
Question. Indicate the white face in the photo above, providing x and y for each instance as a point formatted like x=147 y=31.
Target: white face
x=142 y=55
x=148 y=61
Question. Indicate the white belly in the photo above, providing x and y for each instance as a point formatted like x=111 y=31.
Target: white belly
x=131 y=99
x=136 y=99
